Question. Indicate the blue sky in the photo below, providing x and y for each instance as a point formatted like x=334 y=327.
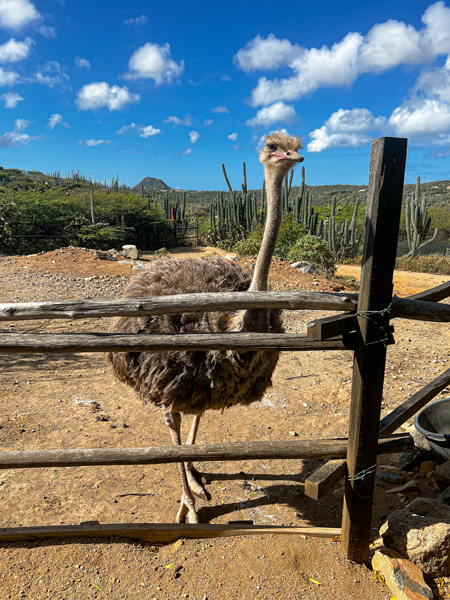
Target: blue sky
x=172 y=89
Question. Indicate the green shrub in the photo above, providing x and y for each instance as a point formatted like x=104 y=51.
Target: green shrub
x=290 y=232
x=314 y=250
x=248 y=247
x=103 y=236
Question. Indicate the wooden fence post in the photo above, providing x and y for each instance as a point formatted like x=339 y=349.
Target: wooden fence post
x=387 y=168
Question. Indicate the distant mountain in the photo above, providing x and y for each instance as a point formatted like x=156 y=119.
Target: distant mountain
x=151 y=183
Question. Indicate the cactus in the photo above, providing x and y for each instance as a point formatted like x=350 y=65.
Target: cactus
x=417 y=222
x=344 y=241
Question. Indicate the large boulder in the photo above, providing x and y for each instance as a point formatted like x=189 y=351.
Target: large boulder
x=403 y=578
x=130 y=251
x=421 y=533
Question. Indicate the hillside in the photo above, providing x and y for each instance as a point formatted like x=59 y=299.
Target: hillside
x=151 y=183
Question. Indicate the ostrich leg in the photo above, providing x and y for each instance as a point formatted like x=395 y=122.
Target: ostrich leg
x=193 y=475
x=187 y=505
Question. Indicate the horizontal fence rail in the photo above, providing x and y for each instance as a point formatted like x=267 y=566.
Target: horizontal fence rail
x=178 y=303
x=160 y=533
x=301 y=449
x=47 y=343
x=79 y=309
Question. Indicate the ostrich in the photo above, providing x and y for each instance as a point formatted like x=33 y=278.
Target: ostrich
x=195 y=381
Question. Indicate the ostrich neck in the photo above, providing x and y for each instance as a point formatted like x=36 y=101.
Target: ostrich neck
x=259 y=319
x=260 y=280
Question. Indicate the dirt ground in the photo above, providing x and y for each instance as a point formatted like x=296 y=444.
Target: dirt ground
x=72 y=400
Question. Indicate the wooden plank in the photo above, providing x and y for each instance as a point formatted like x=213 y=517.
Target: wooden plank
x=440 y=292
x=324 y=478
x=323 y=329
x=161 y=533
x=414 y=403
x=387 y=169
x=79 y=457
x=41 y=343
x=157 y=305
x=420 y=310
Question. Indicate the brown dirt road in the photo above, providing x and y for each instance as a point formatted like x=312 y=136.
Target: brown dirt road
x=70 y=401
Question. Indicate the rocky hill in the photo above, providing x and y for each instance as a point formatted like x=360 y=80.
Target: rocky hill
x=151 y=183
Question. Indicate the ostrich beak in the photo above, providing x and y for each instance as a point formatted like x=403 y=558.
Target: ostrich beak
x=289 y=155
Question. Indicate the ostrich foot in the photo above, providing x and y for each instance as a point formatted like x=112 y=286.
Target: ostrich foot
x=195 y=483
x=186 y=509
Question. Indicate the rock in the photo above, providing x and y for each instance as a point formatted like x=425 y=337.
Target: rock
x=410 y=486
x=421 y=533
x=100 y=255
x=427 y=466
x=391 y=477
x=445 y=496
x=420 y=441
x=409 y=460
x=403 y=578
x=130 y=251
x=442 y=474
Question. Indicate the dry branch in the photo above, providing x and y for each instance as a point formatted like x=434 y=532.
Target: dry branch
x=161 y=533
x=304 y=449
x=17 y=343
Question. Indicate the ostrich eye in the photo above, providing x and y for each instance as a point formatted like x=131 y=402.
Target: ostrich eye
x=272 y=147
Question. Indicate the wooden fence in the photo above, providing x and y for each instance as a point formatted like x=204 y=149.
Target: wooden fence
x=364 y=328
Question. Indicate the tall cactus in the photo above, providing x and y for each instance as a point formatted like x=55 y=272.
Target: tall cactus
x=417 y=221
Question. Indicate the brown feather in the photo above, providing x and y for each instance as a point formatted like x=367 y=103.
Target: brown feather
x=192 y=382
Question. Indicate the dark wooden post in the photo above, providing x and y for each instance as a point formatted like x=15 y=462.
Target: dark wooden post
x=387 y=169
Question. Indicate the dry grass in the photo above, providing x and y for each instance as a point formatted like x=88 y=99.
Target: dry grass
x=431 y=263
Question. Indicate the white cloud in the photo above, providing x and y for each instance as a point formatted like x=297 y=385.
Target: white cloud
x=153 y=61
x=54 y=120
x=390 y=44
x=208 y=122
x=386 y=46
x=435 y=82
x=82 y=63
x=193 y=136
x=16 y=138
x=99 y=94
x=13 y=51
x=225 y=78
x=233 y=136
x=149 y=131
x=427 y=120
x=267 y=116
x=92 y=142
x=220 y=110
x=346 y=128
x=266 y=54
x=17 y=14
x=437 y=26
x=144 y=131
x=8 y=77
x=11 y=100
x=335 y=66
x=51 y=74
x=186 y=120
x=137 y=22
x=186 y=152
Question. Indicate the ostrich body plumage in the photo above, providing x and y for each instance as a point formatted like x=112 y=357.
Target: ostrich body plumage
x=192 y=382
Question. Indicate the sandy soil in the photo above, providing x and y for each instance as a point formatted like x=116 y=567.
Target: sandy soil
x=56 y=401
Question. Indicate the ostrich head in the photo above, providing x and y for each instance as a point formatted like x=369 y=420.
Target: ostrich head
x=280 y=153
